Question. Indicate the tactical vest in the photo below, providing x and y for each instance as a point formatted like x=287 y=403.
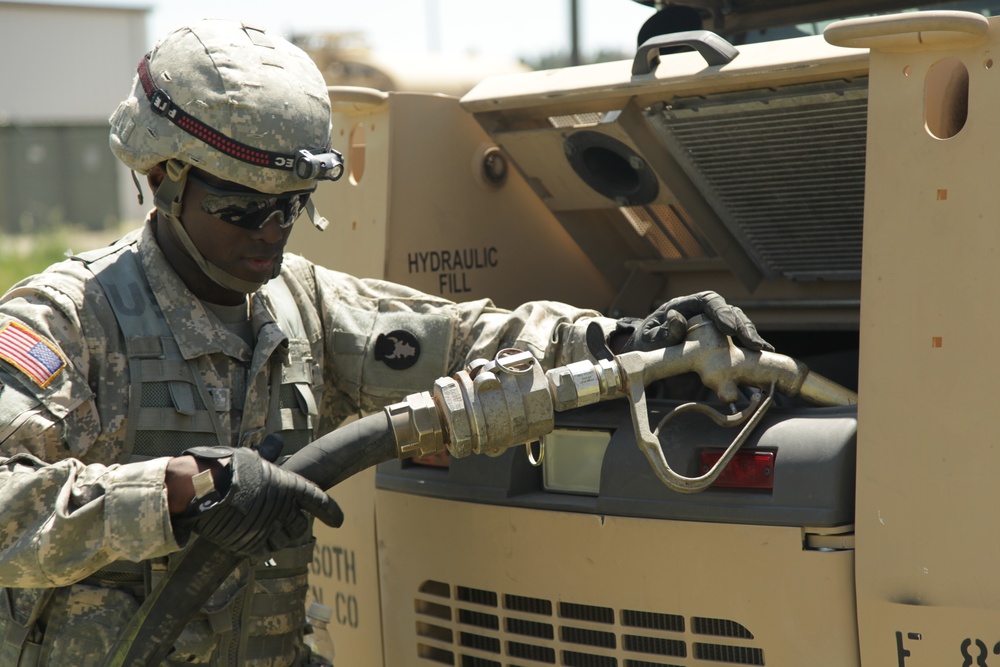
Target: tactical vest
x=173 y=409
x=257 y=617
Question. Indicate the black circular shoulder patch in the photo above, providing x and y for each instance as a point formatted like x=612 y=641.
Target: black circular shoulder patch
x=397 y=349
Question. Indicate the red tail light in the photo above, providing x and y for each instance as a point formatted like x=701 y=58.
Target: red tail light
x=746 y=470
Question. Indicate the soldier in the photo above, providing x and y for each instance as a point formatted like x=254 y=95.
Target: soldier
x=130 y=371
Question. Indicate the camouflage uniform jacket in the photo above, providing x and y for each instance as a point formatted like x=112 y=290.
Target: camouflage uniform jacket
x=74 y=496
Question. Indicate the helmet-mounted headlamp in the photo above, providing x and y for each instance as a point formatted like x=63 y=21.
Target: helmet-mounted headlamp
x=324 y=164
x=328 y=166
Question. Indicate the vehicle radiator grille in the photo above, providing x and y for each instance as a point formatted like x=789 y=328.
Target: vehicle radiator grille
x=469 y=627
x=784 y=170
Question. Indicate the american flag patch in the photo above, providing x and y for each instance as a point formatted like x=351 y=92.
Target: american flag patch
x=30 y=353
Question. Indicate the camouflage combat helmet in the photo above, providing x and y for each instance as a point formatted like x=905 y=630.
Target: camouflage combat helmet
x=233 y=100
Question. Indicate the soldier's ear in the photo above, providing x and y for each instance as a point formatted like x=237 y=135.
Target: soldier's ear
x=155 y=176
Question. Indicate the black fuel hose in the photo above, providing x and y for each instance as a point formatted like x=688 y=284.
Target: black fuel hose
x=327 y=461
x=350 y=449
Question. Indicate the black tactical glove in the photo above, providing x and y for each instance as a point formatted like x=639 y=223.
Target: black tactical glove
x=668 y=324
x=256 y=505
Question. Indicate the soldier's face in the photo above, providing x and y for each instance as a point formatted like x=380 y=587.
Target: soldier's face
x=248 y=254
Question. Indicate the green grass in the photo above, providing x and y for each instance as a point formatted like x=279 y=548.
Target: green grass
x=27 y=254
x=20 y=260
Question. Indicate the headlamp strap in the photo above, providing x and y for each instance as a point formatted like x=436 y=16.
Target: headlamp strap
x=162 y=105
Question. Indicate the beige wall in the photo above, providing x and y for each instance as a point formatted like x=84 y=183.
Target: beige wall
x=70 y=65
x=66 y=64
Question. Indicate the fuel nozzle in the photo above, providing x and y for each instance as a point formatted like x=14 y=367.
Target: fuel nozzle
x=493 y=405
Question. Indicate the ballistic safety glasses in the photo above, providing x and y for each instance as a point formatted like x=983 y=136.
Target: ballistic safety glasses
x=250 y=210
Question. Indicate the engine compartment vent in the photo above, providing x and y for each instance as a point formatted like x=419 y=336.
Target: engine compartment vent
x=783 y=169
x=668 y=230
x=469 y=627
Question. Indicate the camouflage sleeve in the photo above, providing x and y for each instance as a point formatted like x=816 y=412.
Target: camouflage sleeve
x=47 y=344
x=386 y=340
x=554 y=332
x=64 y=519
x=61 y=522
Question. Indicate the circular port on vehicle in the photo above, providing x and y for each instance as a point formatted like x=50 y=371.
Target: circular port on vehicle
x=611 y=168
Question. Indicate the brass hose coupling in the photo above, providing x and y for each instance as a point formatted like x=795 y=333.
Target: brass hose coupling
x=493 y=405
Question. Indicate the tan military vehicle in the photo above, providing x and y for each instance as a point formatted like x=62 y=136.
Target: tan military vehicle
x=842 y=189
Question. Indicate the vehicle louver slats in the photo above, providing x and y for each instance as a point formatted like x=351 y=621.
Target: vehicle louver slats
x=468 y=627
x=785 y=174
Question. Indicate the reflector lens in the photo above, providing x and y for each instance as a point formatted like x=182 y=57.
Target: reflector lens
x=746 y=470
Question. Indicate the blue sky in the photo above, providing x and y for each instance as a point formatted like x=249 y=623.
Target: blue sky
x=501 y=29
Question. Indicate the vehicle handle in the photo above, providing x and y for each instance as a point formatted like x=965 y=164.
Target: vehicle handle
x=714 y=49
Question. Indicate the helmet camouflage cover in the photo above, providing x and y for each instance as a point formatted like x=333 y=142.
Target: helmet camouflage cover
x=228 y=98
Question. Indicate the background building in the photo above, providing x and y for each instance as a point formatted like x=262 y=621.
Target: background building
x=63 y=70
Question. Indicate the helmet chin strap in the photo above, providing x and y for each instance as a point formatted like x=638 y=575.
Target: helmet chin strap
x=167 y=199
